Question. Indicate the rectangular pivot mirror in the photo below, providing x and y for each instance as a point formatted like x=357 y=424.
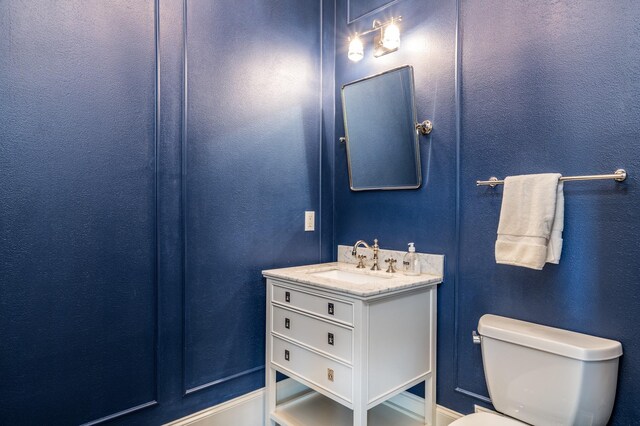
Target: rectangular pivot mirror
x=382 y=143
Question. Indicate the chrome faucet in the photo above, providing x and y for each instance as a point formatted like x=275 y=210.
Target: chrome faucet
x=375 y=248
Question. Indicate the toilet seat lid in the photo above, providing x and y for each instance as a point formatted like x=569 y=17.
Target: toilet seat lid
x=486 y=419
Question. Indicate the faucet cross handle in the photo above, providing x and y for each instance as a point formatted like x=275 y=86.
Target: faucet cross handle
x=391 y=263
x=361 y=258
x=376 y=249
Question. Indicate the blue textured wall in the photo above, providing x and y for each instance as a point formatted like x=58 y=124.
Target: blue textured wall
x=134 y=222
x=557 y=88
x=77 y=210
x=131 y=246
x=545 y=86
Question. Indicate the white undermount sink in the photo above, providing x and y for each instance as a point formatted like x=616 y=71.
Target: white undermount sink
x=348 y=276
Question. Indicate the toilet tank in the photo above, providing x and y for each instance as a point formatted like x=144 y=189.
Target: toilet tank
x=548 y=376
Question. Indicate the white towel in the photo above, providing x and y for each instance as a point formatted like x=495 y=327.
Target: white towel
x=531 y=221
x=554 y=248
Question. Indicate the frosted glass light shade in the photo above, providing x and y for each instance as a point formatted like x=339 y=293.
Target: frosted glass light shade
x=391 y=39
x=356 y=49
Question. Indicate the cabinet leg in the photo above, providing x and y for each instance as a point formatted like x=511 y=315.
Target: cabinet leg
x=429 y=402
x=360 y=416
x=270 y=395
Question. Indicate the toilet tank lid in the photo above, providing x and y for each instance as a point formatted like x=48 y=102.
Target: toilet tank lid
x=549 y=339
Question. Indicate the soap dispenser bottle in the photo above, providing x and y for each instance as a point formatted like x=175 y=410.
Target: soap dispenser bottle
x=411 y=263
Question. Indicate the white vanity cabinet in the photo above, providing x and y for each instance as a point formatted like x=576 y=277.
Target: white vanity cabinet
x=354 y=346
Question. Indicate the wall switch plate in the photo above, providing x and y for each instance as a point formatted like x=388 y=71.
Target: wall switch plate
x=309 y=221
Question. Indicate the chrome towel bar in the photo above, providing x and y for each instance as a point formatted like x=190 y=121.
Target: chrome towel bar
x=619 y=175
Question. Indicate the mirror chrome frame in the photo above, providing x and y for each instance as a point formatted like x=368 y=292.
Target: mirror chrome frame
x=415 y=131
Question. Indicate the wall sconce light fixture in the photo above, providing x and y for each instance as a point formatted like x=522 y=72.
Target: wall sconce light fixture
x=386 y=41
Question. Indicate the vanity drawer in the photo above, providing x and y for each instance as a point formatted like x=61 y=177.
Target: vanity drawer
x=315 y=368
x=326 y=307
x=325 y=336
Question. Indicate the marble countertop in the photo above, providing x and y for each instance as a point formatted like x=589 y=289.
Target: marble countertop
x=381 y=281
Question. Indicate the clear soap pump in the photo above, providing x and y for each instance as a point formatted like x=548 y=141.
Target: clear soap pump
x=411 y=263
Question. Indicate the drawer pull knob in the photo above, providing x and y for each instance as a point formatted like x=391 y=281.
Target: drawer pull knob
x=330 y=339
x=287 y=297
x=330 y=374
x=287 y=323
x=286 y=355
x=330 y=309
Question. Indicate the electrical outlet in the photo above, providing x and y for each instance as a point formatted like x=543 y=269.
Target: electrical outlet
x=309 y=221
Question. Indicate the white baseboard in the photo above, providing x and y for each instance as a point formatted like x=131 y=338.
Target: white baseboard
x=248 y=409
x=412 y=403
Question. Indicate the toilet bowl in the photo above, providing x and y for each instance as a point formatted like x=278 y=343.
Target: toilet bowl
x=541 y=375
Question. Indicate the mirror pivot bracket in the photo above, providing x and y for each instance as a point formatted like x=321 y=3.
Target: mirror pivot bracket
x=425 y=127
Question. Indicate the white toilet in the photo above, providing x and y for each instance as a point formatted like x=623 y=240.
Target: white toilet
x=545 y=376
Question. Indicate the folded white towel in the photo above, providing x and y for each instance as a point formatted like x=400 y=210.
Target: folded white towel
x=554 y=248
x=531 y=221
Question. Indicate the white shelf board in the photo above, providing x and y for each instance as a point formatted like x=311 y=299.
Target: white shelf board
x=314 y=409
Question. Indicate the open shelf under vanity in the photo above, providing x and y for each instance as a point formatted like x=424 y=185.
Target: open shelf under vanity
x=314 y=409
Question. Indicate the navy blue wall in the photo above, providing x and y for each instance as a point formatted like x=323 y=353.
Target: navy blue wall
x=77 y=210
x=155 y=156
x=557 y=88
x=544 y=86
x=142 y=146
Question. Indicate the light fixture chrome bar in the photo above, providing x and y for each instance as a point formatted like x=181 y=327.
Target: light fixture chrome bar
x=619 y=176
x=378 y=25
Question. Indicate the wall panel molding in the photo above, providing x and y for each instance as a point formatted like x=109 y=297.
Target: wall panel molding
x=186 y=390
x=353 y=17
x=156 y=127
x=121 y=413
x=223 y=380
x=183 y=198
x=293 y=110
x=458 y=106
x=79 y=136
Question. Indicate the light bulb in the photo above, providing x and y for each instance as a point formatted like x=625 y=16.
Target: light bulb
x=356 y=49
x=391 y=39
